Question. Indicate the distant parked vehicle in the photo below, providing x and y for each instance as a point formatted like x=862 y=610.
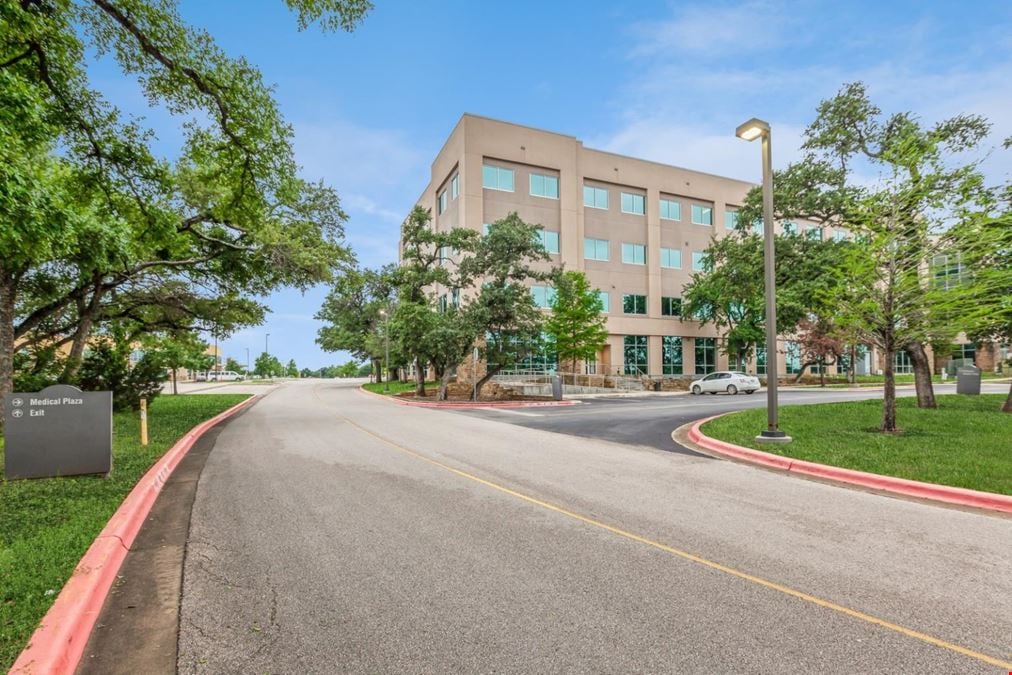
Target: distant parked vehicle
x=200 y=377
x=225 y=376
x=730 y=381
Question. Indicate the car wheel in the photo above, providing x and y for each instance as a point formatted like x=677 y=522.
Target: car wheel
x=696 y=391
x=750 y=391
x=732 y=390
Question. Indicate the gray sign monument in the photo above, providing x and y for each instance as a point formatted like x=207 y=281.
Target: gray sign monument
x=59 y=431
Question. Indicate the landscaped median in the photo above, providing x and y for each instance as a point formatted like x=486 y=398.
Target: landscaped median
x=401 y=392
x=960 y=452
x=47 y=525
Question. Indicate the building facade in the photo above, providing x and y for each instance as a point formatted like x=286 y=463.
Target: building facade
x=638 y=230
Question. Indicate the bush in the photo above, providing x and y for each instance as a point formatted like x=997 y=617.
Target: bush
x=107 y=368
x=36 y=369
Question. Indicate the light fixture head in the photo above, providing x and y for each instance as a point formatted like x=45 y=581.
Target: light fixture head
x=752 y=129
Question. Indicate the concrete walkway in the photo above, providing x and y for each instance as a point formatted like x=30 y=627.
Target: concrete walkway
x=334 y=532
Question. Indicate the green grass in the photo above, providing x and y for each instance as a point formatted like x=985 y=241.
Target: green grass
x=396 y=387
x=837 y=381
x=47 y=524
x=966 y=442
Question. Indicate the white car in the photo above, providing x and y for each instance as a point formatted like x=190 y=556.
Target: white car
x=730 y=381
x=224 y=376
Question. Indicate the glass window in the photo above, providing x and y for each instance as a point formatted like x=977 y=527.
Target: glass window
x=634 y=304
x=550 y=240
x=455 y=297
x=635 y=355
x=497 y=178
x=671 y=210
x=672 y=258
x=698 y=264
x=902 y=363
x=544 y=186
x=947 y=271
x=595 y=249
x=702 y=215
x=839 y=235
x=442 y=201
x=484 y=228
x=634 y=254
x=760 y=360
x=671 y=349
x=595 y=197
x=814 y=233
x=671 y=306
x=792 y=358
x=790 y=228
x=633 y=204
x=731 y=219
x=605 y=301
x=544 y=296
x=759 y=228
x=445 y=253
x=966 y=351
x=706 y=355
x=455 y=186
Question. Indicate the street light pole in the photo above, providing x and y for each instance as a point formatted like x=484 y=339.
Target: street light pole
x=751 y=130
x=267 y=351
x=386 y=347
x=247 y=361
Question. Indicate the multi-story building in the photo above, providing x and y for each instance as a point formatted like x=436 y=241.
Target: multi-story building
x=637 y=228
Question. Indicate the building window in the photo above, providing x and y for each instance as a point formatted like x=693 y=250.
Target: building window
x=790 y=229
x=671 y=306
x=839 y=235
x=497 y=178
x=759 y=228
x=455 y=297
x=671 y=258
x=550 y=240
x=814 y=233
x=731 y=220
x=706 y=355
x=698 y=261
x=792 y=358
x=947 y=271
x=670 y=210
x=445 y=253
x=443 y=302
x=671 y=349
x=965 y=351
x=455 y=186
x=634 y=304
x=543 y=296
x=901 y=363
x=634 y=254
x=635 y=204
x=590 y=366
x=544 y=186
x=442 y=201
x=485 y=228
x=595 y=198
x=540 y=360
x=702 y=215
x=605 y=301
x=635 y=355
x=760 y=360
x=595 y=249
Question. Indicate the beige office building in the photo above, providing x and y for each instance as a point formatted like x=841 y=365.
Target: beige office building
x=638 y=229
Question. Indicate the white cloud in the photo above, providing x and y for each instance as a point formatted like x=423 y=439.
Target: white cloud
x=714 y=30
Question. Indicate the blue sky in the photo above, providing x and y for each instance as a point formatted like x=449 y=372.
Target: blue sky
x=667 y=81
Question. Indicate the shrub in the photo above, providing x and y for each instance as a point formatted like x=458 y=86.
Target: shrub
x=107 y=368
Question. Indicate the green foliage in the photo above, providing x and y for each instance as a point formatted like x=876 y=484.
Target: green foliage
x=107 y=368
x=267 y=365
x=576 y=328
x=351 y=312
x=37 y=368
x=234 y=366
x=291 y=370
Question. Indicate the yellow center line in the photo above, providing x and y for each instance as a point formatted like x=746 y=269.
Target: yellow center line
x=765 y=583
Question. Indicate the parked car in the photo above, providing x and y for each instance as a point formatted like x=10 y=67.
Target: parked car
x=730 y=381
x=225 y=376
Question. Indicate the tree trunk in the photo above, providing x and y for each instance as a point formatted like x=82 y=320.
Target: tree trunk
x=889 y=397
x=175 y=390
x=419 y=378
x=490 y=372
x=7 y=287
x=444 y=383
x=822 y=374
x=1007 y=408
x=922 y=375
x=852 y=375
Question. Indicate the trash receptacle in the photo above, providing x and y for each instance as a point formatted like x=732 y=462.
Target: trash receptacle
x=968 y=380
x=556 y=387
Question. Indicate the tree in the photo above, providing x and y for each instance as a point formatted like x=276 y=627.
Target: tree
x=576 y=328
x=182 y=350
x=427 y=270
x=234 y=366
x=819 y=343
x=349 y=369
x=504 y=311
x=107 y=367
x=89 y=214
x=291 y=370
x=351 y=311
x=267 y=366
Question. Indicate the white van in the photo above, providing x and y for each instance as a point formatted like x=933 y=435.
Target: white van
x=224 y=376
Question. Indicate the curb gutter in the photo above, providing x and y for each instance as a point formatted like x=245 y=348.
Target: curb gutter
x=480 y=404
x=57 y=644
x=901 y=486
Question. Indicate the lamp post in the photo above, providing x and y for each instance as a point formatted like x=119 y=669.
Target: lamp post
x=386 y=348
x=267 y=351
x=247 y=361
x=749 y=131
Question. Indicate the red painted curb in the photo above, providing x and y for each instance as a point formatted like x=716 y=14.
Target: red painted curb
x=57 y=644
x=901 y=486
x=484 y=404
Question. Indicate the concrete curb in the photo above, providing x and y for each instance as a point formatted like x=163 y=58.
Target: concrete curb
x=57 y=644
x=900 y=486
x=485 y=404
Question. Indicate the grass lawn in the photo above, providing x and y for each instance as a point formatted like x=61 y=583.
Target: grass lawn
x=396 y=387
x=837 y=381
x=966 y=442
x=47 y=524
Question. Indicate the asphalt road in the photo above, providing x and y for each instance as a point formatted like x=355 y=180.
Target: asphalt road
x=333 y=532
x=649 y=421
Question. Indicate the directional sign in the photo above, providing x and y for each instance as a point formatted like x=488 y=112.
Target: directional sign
x=59 y=431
